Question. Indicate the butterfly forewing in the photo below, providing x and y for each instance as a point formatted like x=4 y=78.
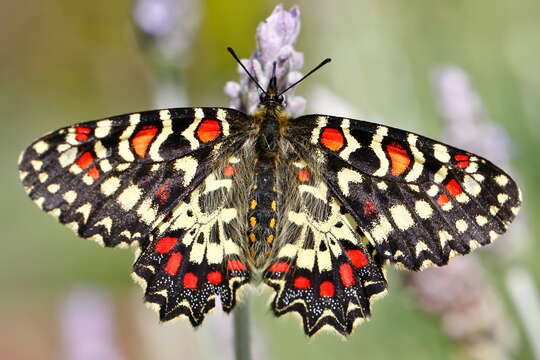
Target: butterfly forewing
x=419 y=202
x=116 y=179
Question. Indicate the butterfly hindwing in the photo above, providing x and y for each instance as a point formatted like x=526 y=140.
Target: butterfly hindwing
x=196 y=255
x=321 y=269
x=419 y=202
x=115 y=179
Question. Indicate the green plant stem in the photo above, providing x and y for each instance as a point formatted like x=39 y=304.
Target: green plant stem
x=242 y=330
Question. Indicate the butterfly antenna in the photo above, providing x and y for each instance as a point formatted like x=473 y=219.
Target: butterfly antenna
x=324 y=62
x=246 y=70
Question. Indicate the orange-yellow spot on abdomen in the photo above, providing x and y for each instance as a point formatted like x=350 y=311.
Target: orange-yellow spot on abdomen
x=142 y=139
x=270 y=238
x=274 y=205
x=253 y=204
x=399 y=159
x=252 y=221
x=332 y=139
x=209 y=130
x=228 y=171
x=252 y=237
x=272 y=223
x=303 y=175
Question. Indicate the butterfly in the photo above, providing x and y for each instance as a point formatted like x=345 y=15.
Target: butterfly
x=214 y=199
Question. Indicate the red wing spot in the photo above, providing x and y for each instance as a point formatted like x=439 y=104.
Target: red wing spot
x=229 y=170
x=279 y=267
x=208 y=130
x=346 y=274
x=173 y=263
x=462 y=161
x=332 y=139
x=190 y=281
x=81 y=133
x=142 y=139
x=358 y=258
x=94 y=173
x=399 y=159
x=369 y=208
x=303 y=175
x=302 y=283
x=454 y=188
x=163 y=194
x=235 y=265
x=327 y=289
x=214 y=277
x=442 y=199
x=164 y=245
x=85 y=160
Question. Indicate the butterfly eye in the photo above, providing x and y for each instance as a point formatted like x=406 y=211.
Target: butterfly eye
x=280 y=99
x=262 y=97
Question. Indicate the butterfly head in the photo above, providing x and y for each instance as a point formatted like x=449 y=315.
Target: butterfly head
x=272 y=97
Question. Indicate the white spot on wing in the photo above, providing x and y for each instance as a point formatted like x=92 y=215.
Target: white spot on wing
x=376 y=146
x=123 y=147
x=402 y=217
x=109 y=186
x=471 y=186
x=70 y=196
x=41 y=146
x=85 y=211
x=423 y=209
x=103 y=128
x=381 y=230
x=418 y=157
x=165 y=132
x=53 y=188
x=129 y=197
x=188 y=165
x=440 y=152
x=462 y=225
x=346 y=176
x=501 y=180
x=36 y=164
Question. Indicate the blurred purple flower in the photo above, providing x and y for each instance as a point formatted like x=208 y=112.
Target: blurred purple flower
x=276 y=37
x=88 y=329
x=168 y=24
x=467 y=124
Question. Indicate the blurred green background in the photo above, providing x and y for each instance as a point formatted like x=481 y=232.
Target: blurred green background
x=66 y=61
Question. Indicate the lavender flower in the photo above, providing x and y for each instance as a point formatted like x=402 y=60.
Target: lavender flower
x=168 y=25
x=275 y=39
